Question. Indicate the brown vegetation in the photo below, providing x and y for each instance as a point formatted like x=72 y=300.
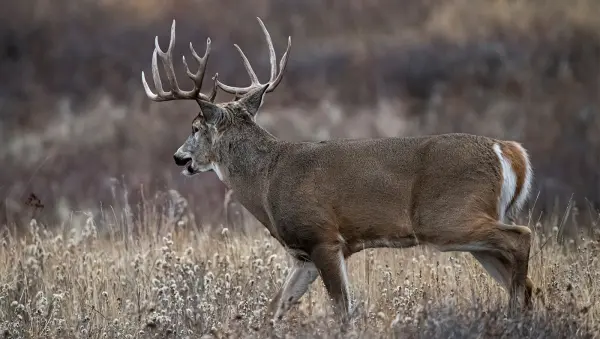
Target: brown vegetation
x=161 y=276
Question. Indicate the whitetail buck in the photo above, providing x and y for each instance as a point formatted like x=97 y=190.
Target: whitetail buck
x=324 y=201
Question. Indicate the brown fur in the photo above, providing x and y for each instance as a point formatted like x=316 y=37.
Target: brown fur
x=324 y=201
x=348 y=195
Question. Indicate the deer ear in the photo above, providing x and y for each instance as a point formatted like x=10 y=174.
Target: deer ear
x=254 y=99
x=211 y=112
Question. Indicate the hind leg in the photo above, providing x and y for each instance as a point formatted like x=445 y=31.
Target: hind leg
x=502 y=249
x=521 y=286
x=502 y=271
x=499 y=269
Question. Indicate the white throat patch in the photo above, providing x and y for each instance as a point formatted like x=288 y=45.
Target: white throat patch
x=217 y=170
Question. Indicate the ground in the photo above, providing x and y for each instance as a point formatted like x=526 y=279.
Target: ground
x=161 y=276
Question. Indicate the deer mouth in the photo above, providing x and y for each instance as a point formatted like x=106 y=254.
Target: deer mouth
x=189 y=169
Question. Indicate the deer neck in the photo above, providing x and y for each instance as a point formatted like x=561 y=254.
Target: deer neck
x=244 y=159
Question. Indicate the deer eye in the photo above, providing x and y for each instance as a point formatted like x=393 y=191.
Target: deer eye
x=194 y=129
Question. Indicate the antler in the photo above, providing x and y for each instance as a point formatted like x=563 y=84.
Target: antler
x=167 y=60
x=275 y=77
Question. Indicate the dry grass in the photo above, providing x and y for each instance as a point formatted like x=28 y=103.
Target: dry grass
x=157 y=275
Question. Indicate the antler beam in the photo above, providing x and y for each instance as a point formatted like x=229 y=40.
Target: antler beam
x=177 y=93
x=275 y=76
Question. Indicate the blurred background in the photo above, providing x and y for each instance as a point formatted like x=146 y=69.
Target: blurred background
x=75 y=124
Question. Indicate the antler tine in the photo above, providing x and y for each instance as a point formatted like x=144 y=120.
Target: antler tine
x=248 y=66
x=272 y=57
x=282 y=66
x=161 y=93
x=275 y=77
x=213 y=91
x=167 y=60
x=156 y=76
x=198 y=77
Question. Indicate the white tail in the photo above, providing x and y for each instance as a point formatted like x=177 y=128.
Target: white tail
x=324 y=201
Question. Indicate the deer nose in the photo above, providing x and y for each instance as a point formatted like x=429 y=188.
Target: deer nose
x=181 y=160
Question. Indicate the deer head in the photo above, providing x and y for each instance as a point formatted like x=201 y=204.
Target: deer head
x=214 y=120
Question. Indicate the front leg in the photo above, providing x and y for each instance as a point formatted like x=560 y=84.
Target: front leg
x=303 y=274
x=329 y=260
